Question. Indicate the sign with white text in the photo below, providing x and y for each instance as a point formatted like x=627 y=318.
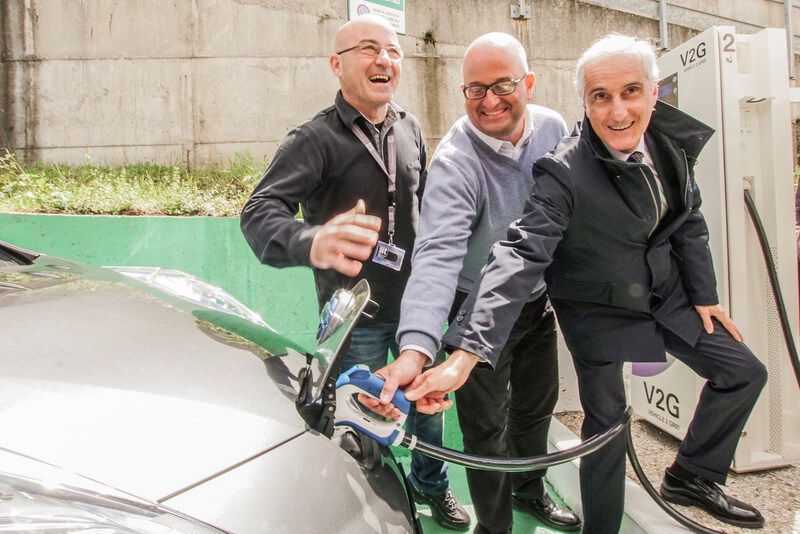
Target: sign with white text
x=391 y=10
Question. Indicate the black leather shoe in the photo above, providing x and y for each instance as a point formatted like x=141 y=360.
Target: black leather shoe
x=707 y=495
x=446 y=510
x=547 y=512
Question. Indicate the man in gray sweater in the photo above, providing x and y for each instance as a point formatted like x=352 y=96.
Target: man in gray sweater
x=478 y=182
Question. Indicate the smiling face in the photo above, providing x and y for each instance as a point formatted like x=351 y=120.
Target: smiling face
x=500 y=117
x=619 y=100
x=368 y=83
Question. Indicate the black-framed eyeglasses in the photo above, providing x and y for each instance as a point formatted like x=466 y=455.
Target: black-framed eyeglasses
x=506 y=87
x=373 y=50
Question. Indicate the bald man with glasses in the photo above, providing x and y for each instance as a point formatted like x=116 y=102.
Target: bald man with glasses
x=479 y=179
x=357 y=170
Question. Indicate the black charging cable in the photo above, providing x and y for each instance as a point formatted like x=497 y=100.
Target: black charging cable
x=773 y=282
x=514 y=465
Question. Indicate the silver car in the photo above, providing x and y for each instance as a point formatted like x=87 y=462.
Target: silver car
x=144 y=400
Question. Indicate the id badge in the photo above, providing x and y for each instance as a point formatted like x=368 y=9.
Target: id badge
x=389 y=255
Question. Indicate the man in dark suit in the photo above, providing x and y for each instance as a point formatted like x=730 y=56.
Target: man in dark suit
x=613 y=224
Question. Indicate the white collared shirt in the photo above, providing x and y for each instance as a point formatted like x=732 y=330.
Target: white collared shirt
x=647 y=160
x=505 y=148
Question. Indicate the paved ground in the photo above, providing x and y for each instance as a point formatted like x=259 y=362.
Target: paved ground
x=775 y=492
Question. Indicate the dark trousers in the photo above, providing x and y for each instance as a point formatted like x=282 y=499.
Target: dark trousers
x=506 y=412
x=734 y=377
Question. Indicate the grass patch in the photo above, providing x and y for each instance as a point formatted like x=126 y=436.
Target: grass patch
x=134 y=189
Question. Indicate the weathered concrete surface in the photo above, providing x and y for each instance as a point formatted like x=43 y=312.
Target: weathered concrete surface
x=199 y=80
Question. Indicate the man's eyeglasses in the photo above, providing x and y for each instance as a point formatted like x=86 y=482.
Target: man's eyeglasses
x=506 y=87
x=373 y=50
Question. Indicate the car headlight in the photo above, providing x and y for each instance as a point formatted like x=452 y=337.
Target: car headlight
x=38 y=497
x=187 y=287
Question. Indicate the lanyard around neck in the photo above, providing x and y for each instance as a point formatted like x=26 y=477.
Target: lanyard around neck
x=391 y=171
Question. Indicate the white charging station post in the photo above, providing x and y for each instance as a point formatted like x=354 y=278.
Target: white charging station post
x=739 y=85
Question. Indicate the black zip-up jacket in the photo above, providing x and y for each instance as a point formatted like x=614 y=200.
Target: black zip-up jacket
x=323 y=168
x=613 y=270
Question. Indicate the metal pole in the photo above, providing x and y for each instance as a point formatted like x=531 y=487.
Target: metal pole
x=787 y=5
x=663 y=41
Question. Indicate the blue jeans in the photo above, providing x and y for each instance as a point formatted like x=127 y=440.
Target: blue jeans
x=370 y=345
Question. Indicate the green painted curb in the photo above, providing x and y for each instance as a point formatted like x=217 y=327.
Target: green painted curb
x=212 y=249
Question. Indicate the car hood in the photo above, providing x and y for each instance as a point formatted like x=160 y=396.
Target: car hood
x=154 y=397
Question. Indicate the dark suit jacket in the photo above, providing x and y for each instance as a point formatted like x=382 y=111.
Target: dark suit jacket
x=614 y=271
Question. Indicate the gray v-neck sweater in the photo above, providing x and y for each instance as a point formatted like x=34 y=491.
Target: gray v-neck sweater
x=471 y=196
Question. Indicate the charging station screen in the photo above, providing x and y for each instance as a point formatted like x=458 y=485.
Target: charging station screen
x=668 y=90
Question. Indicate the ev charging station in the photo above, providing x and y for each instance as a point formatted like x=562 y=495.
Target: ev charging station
x=738 y=85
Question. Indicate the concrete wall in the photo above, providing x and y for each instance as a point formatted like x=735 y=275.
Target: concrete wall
x=196 y=81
